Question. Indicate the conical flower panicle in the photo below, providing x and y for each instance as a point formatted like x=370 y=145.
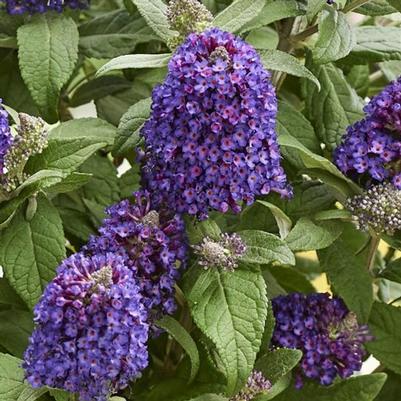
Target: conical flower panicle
x=210 y=142
x=17 y=7
x=325 y=331
x=370 y=150
x=156 y=245
x=91 y=329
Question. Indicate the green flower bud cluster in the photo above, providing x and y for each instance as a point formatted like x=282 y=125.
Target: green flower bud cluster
x=185 y=17
x=30 y=139
x=377 y=209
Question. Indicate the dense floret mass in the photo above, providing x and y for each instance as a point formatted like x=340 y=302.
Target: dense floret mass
x=385 y=108
x=6 y=139
x=256 y=385
x=210 y=142
x=91 y=329
x=369 y=154
x=371 y=148
x=325 y=331
x=17 y=7
x=156 y=244
x=224 y=253
x=377 y=209
x=31 y=138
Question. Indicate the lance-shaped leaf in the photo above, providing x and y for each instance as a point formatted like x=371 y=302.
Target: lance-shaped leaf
x=230 y=309
x=47 y=59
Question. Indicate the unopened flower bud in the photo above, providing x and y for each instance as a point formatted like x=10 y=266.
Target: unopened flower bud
x=378 y=209
x=256 y=385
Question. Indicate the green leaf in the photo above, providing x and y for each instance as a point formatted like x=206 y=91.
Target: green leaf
x=284 y=223
x=8 y=296
x=236 y=15
x=135 y=61
x=280 y=61
x=314 y=8
x=376 y=43
x=31 y=250
x=292 y=122
x=12 y=386
x=97 y=88
x=274 y=10
x=349 y=276
x=393 y=271
x=395 y=3
x=277 y=363
x=391 y=389
x=47 y=59
x=113 y=34
x=335 y=107
x=230 y=309
x=209 y=397
x=154 y=12
x=336 y=37
x=199 y=230
x=90 y=127
x=263 y=38
x=12 y=87
x=130 y=126
x=265 y=248
x=360 y=388
x=15 y=329
x=66 y=155
x=103 y=188
x=391 y=69
x=385 y=325
x=60 y=395
x=291 y=279
x=70 y=183
x=316 y=165
x=308 y=235
x=183 y=338
x=375 y=8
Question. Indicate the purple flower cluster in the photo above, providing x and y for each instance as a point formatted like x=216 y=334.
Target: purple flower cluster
x=17 y=7
x=255 y=386
x=91 y=329
x=385 y=108
x=156 y=246
x=371 y=149
x=6 y=139
x=211 y=140
x=324 y=330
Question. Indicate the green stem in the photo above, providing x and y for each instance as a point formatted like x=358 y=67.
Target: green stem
x=374 y=245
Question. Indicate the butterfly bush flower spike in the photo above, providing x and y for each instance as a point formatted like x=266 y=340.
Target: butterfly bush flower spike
x=210 y=142
x=371 y=149
x=17 y=7
x=91 y=329
x=156 y=245
x=325 y=331
x=6 y=140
